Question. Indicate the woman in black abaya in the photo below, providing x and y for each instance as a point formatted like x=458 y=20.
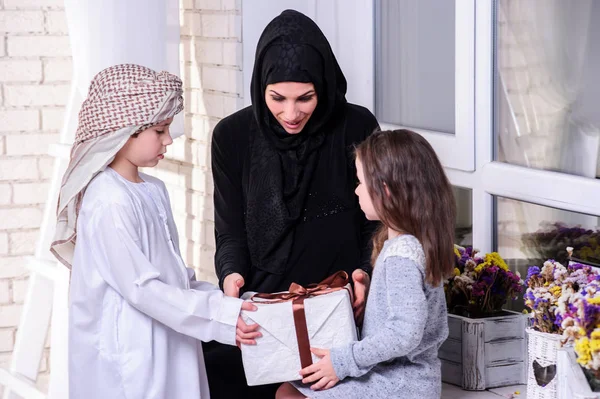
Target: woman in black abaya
x=284 y=176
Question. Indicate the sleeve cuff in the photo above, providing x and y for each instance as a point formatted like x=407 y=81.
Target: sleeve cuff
x=341 y=358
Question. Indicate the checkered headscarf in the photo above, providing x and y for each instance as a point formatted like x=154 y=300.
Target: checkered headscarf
x=122 y=100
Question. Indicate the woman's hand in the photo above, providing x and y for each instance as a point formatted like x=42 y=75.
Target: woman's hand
x=362 y=282
x=246 y=333
x=322 y=371
x=232 y=285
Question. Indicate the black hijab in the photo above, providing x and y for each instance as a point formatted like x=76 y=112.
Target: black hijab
x=292 y=48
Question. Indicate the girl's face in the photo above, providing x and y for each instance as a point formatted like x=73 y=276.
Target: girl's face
x=364 y=199
x=291 y=103
x=148 y=148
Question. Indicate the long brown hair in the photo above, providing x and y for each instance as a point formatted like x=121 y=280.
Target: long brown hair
x=411 y=194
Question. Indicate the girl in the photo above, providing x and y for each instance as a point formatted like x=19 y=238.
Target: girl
x=136 y=312
x=402 y=184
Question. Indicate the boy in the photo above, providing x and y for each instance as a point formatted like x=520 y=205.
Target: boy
x=136 y=311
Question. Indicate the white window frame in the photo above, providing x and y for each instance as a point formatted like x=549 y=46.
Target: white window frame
x=492 y=178
x=457 y=150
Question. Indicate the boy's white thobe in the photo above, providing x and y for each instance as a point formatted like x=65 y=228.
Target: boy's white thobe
x=136 y=312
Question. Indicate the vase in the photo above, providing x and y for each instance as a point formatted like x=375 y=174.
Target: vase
x=542 y=349
x=485 y=352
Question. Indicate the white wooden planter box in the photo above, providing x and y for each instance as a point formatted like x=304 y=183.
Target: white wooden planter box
x=572 y=383
x=485 y=353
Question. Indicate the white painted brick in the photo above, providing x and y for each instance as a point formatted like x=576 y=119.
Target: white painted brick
x=230 y=105
x=235 y=27
x=231 y=4
x=232 y=53
x=20 y=71
x=194 y=102
x=10 y=315
x=219 y=79
x=199 y=152
x=5 y=194
x=39 y=46
x=186 y=4
x=2 y=47
x=22 y=242
x=17 y=169
x=19 y=289
x=198 y=128
x=52 y=118
x=30 y=193
x=19 y=120
x=2 y=146
x=5 y=292
x=3 y=243
x=43 y=382
x=208 y=4
x=13 y=266
x=58 y=70
x=36 y=4
x=7 y=339
x=29 y=144
x=192 y=78
x=209 y=51
x=21 y=21
x=216 y=25
x=45 y=167
x=187 y=51
x=192 y=24
x=57 y=22
x=20 y=218
x=19 y=95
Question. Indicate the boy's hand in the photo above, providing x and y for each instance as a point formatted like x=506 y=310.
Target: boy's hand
x=232 y=285
x=322 y=371
x=362 y=282
x=246 y=333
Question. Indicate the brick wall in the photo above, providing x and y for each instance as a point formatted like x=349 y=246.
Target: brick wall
x=35 y=70
x=211 y=59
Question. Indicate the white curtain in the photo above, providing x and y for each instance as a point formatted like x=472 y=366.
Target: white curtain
x=548 y=55
x=108 y=32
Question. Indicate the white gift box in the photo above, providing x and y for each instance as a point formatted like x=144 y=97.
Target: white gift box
x=275 y=357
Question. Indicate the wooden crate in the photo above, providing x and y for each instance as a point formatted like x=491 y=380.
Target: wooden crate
x=485 y=353
x=572 y=383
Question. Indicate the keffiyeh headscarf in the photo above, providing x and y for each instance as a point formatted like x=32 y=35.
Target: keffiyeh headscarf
x=123 y=100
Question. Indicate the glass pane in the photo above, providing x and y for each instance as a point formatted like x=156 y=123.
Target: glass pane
x=529 y=234
x=414 y=67
x=547 y=85
x=464 y=221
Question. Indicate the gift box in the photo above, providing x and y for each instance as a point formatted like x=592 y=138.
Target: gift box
x=292 y=322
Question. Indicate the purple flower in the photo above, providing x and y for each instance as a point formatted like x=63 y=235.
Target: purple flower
x=532 y=271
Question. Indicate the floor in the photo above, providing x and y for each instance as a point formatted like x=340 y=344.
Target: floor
x=510 y=392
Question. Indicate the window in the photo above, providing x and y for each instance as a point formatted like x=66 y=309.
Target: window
x=547 y=88
x=424 y=68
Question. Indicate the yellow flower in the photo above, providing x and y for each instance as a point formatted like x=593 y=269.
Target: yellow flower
x=546 y=284
x=556 y=291
x=494 y=258
x=594 y=301
x=479 y=268
x=456 y=252
x=582 y=348
x=456 y=271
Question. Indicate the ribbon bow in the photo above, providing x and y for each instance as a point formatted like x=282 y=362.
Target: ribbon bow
x=297 y=294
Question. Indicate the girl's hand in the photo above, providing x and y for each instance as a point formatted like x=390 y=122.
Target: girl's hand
x=246 y=333
x=322 y=371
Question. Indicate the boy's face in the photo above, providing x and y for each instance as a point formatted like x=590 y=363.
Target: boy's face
x=149 y=146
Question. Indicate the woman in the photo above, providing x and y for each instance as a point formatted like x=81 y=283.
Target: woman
x=284 y=175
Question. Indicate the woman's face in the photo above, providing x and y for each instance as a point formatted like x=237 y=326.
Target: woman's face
x=291 y=103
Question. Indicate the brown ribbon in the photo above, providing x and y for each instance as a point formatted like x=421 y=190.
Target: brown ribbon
x=297 y=294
